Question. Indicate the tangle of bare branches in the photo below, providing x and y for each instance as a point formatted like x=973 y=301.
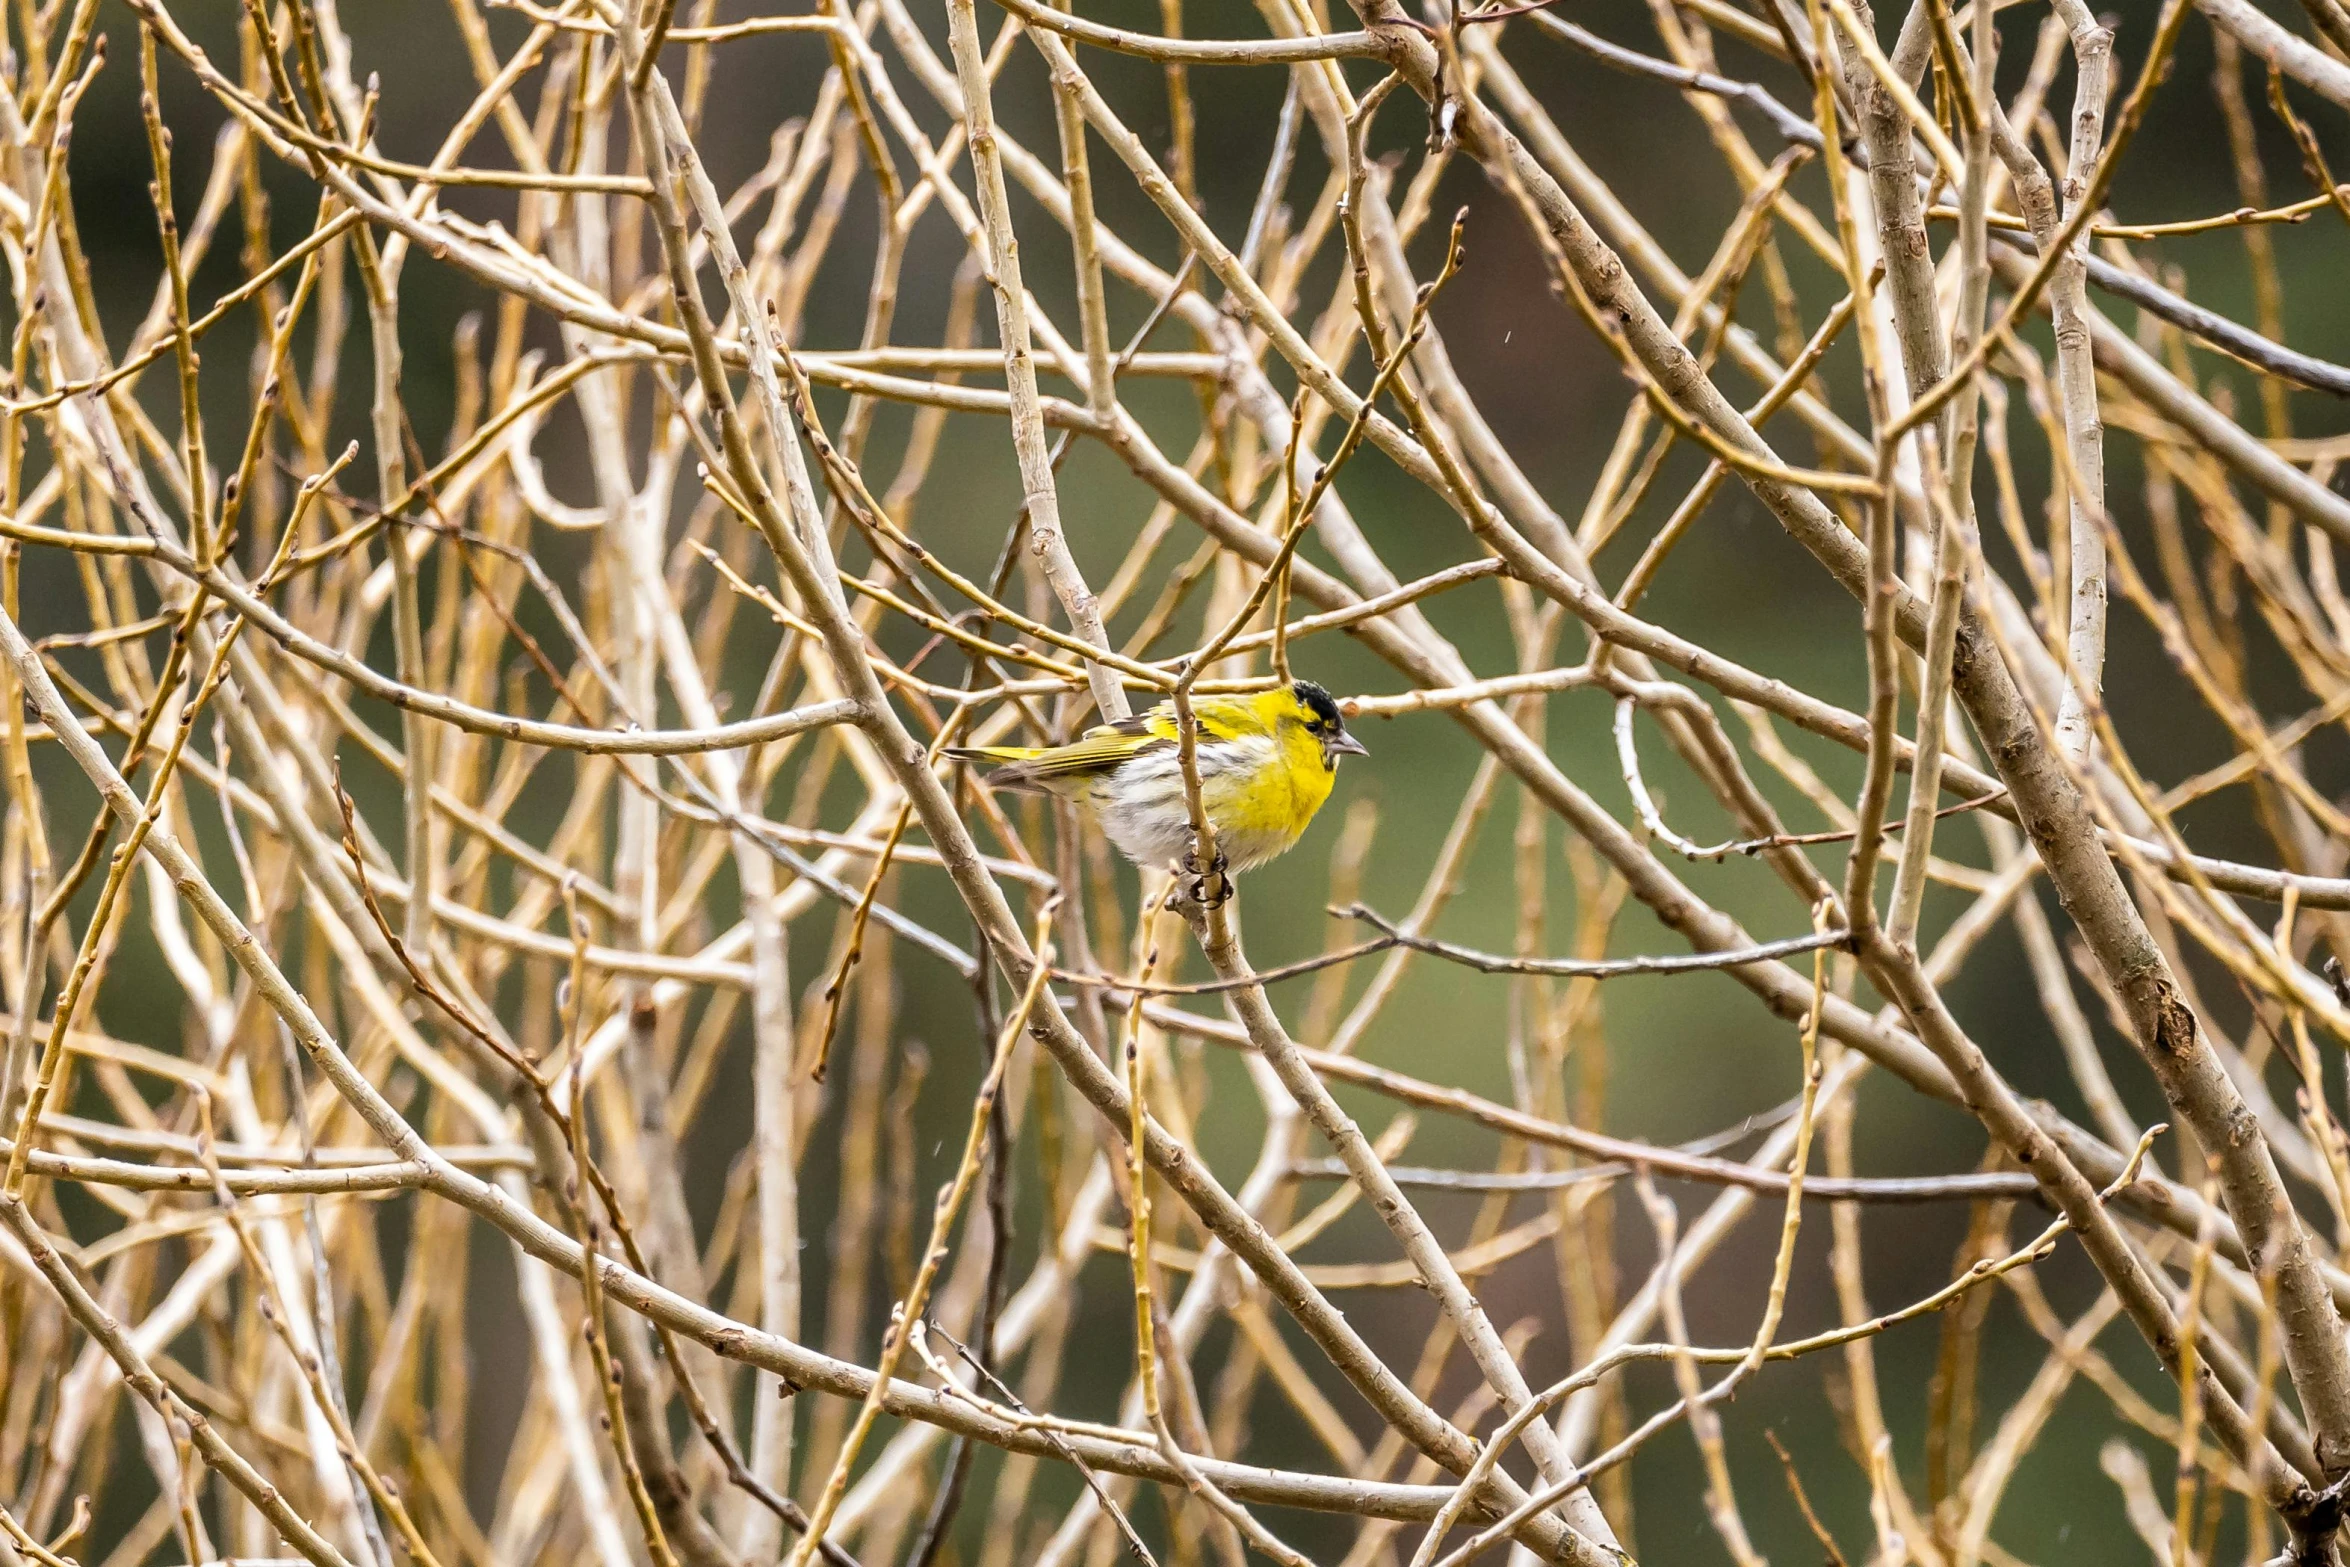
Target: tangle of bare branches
x=497 y=547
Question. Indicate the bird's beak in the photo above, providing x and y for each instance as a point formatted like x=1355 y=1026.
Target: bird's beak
x=1347 y=745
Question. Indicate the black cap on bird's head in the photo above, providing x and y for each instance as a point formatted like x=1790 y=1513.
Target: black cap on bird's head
x=1325 y=722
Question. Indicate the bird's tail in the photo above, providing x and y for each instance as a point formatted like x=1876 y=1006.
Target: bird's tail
x=1011 y=769
x=991 y=753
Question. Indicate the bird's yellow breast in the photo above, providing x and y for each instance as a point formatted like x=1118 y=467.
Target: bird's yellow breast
x=1261 y=811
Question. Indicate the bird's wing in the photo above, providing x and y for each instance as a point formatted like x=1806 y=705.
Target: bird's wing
x=1098 y=750
x=1106 y=746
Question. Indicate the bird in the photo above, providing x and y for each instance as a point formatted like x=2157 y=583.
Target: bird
x=1266 y=764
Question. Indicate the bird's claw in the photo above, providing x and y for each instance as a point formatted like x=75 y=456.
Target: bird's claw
x=1216 y=866
x=1198 y=891
x=1199 y=881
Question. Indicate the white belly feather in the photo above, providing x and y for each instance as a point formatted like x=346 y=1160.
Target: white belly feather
x=1142 y=810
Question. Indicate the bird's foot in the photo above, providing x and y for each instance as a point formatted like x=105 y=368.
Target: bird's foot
x=1214 y=879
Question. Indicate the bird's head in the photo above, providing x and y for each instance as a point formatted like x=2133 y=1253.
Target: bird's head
x=1314 y=708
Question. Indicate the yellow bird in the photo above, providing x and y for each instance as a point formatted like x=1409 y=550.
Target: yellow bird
x=1266 y=763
